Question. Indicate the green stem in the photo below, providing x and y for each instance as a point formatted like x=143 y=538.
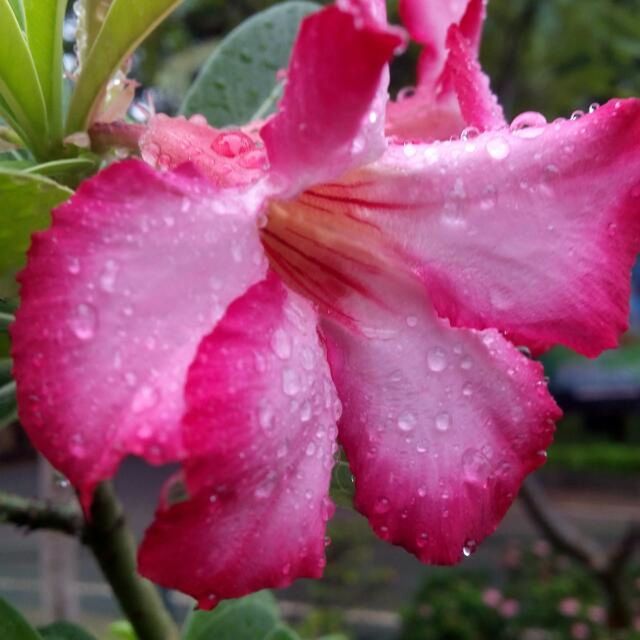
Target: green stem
x=36 y=515
x=114 y=548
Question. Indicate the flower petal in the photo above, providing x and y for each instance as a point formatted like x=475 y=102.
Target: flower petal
x=533 y=232
x=228 y=158
x=429 y=23
x=260 y=430
x=440 y=425
x=116 y=296
x=330 y=116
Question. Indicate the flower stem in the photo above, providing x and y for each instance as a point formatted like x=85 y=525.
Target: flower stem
x=113 y=545
x=37 y=514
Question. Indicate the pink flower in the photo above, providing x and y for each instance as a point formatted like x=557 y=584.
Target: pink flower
x=580 y=631
x=509 y=608
x=569 y=607
x=492 y=597
x=241 y=318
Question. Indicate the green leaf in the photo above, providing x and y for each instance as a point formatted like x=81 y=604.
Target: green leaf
x=91 y=15
x=64 y=631
x=23 y=103
x=250 y=618
x=283 y=633
x=238 y=83
x=126 y=25
x=18 y=9
x=26 y=201
x=13 y=626
x=44 y=20
x=122 y=630
x=69 y=172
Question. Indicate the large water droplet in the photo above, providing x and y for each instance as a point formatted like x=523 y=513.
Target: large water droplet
x=230 y=144
x=84 y=322
x=528 y=125
x=498 y=148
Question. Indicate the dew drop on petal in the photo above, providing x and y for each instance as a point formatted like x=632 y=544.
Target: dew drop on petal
x=498 y=148
x=443 y=421
x=230 y=144
x=407 y=422
x=84 y=322
x=290 y=382
x=437 y=359
x=382 y=505
x=281 y=344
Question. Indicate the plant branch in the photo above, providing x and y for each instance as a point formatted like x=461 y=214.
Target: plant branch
x=112 y=543
x=36 y=515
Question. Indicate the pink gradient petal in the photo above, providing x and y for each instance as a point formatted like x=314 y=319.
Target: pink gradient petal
x=229 y=157
x=260 y=430
x=331 y=116
x=533 y=232
x=373 y=11
x=116 y=296
x=440 y=425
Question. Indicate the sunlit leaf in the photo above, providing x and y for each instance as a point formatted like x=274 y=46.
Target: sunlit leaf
x=239 y=81
x=18 y=9
x=126 y=25
x=22 y=101
x=26 y=203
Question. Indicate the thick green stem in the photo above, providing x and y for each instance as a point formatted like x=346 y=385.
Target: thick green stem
x=114 y=548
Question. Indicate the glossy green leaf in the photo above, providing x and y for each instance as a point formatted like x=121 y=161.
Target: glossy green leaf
x=126 y=25
x=250 y=618
x=18 y=9
x=26 y=203
x=238 y=83
x=13 y=626
x=44 y=20
x=283 y=633
x=20 y=88
x=64 y=631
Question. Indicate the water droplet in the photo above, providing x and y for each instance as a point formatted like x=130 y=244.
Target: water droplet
x=437 y=359
x=528 y=125
x=475 y=466
x=443 y=421
x=593 y=107
x=576 y=115
x=73 y=266
x=61 y=482
x=407 y=422
x=108 y=277
x=382 y=505
x=410 y=150
x=422 y=491
x=306 y=411
x=311 y=449
x=145 y=398
x=281 y=344
x=373 y=117
x=467 y=390
x=469 y=133
x=290 y=382
x=498 y=148
x=412 y=321
x=230 y=144
x=469 y=547
x=266 y=416
x=84 y=322
x=466 y=363
x=422 y=539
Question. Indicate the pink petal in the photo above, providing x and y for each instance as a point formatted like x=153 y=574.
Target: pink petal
x=374 y=11
x=429 y=23
x=260 y=430
x=440 y=425
x=331 y=115
x=227 y=157
x=453 y=92
x=116 y=297
x=533 y=232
